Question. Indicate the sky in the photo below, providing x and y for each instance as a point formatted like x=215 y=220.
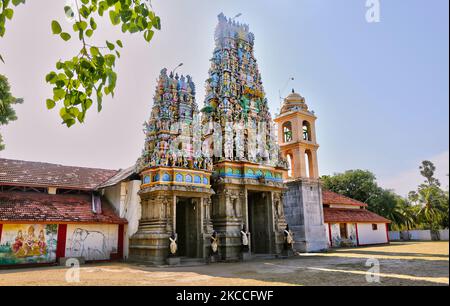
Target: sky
x=380 y=90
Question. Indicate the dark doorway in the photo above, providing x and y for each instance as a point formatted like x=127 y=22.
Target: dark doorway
x=187 y=227
x=259 y=223
x=343 y=230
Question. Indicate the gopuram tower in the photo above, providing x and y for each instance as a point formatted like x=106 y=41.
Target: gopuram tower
x=303 y=199
x=176 y=188
x=238 y=133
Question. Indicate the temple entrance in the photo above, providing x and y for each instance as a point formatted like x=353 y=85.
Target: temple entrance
x=187 y=227
x=259 y=222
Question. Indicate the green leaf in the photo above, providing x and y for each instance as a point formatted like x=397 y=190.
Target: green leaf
x=50 y=77
x=1 y=59
x=93 y=24
x=9 y=13
x=17 y=2
x=115 y=19
x=156 y=23
x=89 y=33
x=148 y=35
x=65 y=36
x=50 y=104
x=119 y=43
x=56 y=28
x=69 y=12
x=58 y=93
x=94 y=51
x=110 y=45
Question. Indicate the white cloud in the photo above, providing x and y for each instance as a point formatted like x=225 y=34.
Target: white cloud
x=410 y=179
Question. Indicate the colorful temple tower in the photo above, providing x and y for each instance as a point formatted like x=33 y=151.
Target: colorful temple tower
x=239 y=134
x=303 y=199
x=176 y=189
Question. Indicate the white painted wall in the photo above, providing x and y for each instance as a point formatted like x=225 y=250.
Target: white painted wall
x=351 y=231
x=127 y=203
x=394 y=235
x=93 y=242
x=443 y=234
x=420 y=235
x=327 y=230
x=335 y=235
x=367 y=235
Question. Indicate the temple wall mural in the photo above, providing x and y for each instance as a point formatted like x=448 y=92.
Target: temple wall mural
x=92 y=242
x=28 y=243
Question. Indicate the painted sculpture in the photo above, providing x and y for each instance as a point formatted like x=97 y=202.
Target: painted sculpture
x=235 y=98
x=289 y=239
x=173 y=130
x=173 y=244
x=214 y=243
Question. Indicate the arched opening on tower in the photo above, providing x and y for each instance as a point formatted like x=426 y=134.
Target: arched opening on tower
x=287 y=132
x=309 y=166
x=307 y=131
x=289 y=161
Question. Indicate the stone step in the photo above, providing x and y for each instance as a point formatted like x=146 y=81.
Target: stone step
x=264 y=256
x=192 y=261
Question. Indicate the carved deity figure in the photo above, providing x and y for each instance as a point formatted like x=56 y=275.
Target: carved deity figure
x=288 y=238
x=229 y=141
x=240 y=141
x=173 y=244
x=244 y=239
x=214 y=243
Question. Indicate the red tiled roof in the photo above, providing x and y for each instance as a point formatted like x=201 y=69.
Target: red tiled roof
x=36 y=174
x=349 y=215
x=60 y=208
x=330 y=198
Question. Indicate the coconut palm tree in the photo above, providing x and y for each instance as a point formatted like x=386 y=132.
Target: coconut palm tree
x=430 y=199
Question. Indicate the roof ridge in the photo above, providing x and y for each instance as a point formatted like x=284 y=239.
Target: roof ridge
x=54 y=164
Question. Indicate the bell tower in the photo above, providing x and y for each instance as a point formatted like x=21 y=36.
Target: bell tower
x=303 y=198
x=297 y=138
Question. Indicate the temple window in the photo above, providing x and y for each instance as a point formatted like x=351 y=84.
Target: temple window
x=308 y=164
x=306 y=131
x=289 y=160
x=287 y=132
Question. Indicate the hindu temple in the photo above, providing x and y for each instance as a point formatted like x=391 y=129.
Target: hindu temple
x=221 y=182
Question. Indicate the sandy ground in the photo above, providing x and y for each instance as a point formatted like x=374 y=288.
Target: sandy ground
x=406 y=263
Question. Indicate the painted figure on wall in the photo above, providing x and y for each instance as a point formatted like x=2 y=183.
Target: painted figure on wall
x=88 y=244
x=21 y=244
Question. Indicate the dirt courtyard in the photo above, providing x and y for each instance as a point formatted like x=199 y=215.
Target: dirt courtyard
x=401 y=263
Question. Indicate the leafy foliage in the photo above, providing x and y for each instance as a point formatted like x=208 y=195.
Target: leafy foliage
x=7 y=112
x=432 y=201
x=90 y=75
x=427 y=170
x=7 y=13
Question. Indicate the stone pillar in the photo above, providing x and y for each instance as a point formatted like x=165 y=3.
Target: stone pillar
x=151 y=241
x=304 y=214
x=227 y=221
